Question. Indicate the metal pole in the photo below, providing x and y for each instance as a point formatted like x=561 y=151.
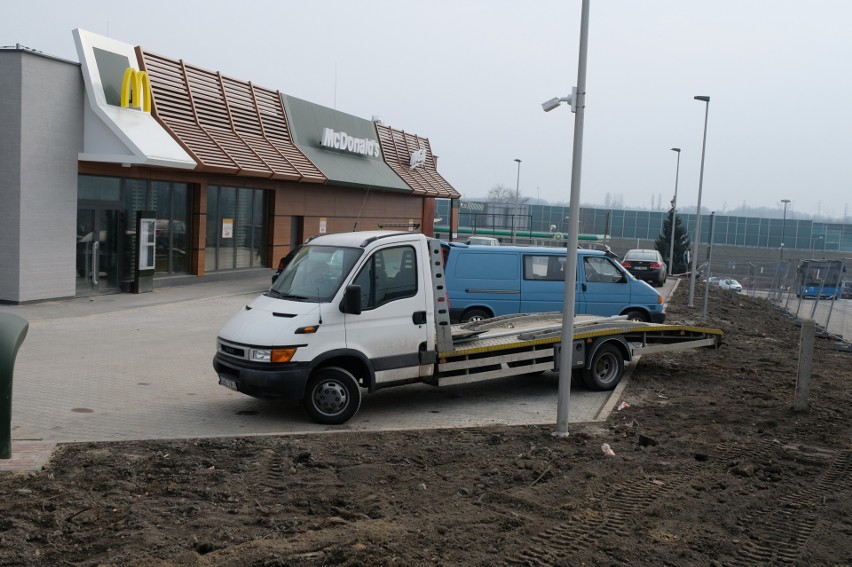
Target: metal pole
x=783 y=223
x=517 y=200
x=518 y=182
x=709 y=262
x=674 y=214
x=706 y=100
x=566 y=357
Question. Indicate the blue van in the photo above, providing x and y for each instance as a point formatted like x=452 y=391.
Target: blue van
x=489 y=281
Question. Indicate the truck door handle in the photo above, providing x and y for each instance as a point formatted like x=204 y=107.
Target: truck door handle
x=583 y=287
x=419 y=318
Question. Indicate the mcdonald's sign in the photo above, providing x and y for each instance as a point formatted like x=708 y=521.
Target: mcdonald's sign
x=136 y=90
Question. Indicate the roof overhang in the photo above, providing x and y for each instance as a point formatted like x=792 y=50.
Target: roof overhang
x=114 y=133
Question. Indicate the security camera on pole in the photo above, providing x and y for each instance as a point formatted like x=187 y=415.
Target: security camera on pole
x=577 y=100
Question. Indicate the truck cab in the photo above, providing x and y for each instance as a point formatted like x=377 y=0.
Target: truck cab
x=298 y=341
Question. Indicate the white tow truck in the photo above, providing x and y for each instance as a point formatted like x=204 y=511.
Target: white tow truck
x=368 y=310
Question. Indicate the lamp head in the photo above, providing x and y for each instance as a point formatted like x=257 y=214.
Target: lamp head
x=551 y=104
x=702 y=98
x=676 y=150
x=517 y=160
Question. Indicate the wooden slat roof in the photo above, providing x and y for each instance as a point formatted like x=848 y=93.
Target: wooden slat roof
x=227 y=126
x=397 y=147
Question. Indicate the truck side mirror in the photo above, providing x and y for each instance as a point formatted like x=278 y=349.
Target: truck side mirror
x=351 y=303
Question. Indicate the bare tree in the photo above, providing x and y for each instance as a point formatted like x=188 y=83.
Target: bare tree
x=503 y=194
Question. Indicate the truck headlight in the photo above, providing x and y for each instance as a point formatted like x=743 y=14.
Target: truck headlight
x=271 y=355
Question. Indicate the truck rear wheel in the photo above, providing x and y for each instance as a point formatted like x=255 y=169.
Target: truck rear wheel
x=332 y=396
x=606 y=368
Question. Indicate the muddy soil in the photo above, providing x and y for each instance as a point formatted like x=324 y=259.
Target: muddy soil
x=711 y=466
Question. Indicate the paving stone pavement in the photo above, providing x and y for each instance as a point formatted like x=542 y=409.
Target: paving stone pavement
x=129 y=367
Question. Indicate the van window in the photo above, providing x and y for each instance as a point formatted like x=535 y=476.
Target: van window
x=389 y=274
x=544 y=267
x=486 y=266
x=601 y=269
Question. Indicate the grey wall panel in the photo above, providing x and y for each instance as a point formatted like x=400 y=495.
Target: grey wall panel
x=51 y=139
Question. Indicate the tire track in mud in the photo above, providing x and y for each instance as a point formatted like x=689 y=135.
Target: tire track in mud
x=777 y=535
x=556 y=545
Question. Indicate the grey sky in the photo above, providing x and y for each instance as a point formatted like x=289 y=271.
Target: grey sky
x=471 y=75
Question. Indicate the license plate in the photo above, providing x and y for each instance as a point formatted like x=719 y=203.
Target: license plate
x=228 y=383
x=639 y=268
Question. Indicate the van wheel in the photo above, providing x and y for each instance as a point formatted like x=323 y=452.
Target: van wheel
x=475 y=315
x=605 y=371
x=635 y=315
x=332 y=396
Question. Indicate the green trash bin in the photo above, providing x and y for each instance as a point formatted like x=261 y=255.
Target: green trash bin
x=13 y=331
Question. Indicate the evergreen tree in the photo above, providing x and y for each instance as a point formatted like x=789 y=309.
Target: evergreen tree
x=681 y=244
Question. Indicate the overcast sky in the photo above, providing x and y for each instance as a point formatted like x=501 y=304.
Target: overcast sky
x=471 y=75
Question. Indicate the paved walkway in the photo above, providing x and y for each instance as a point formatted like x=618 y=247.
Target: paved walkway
x=128 y=367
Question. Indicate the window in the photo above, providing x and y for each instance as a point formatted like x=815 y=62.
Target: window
x=388 y=275
x=236 y=228
x=600 y=269
x=544 y=267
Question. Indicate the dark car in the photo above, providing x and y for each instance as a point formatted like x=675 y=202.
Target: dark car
x=283 y=262
x=646 y=265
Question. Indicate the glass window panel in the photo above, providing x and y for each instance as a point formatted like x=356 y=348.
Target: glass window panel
x=93 y=188
x=242 y=228
x=180 y=229
x=227 y=228
x=259 y=244
x=212 y=239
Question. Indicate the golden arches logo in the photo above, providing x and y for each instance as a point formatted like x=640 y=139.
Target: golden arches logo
x=136 y=90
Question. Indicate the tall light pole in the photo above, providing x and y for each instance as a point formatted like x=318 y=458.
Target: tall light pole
x=674 y=213
x=578 y=105
x=783 y=223
x=693 y=268
x=518 y=183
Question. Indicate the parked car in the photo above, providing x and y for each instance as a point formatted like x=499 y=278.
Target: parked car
x=647 y=265
x=485 y=282
x=731 y=284
x=482 y=241
x=846 y=292
x=282 y=263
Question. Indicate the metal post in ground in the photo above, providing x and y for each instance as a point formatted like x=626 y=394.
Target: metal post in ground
x=806 y=355
x=709 y=261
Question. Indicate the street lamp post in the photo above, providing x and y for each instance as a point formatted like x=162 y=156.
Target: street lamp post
x=674 y=213
x=518 y=182
x=783 y=223
x=517 y=199
x=578 y=105
x=693 y=268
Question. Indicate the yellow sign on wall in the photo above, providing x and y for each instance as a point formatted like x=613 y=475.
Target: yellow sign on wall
x=136 y=90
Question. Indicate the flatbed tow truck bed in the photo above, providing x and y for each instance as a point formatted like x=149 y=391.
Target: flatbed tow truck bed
x=529 y=343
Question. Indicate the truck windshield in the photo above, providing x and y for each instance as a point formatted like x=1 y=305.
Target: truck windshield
x=315 y=274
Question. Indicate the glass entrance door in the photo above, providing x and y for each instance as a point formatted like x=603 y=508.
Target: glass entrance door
x=98 y=262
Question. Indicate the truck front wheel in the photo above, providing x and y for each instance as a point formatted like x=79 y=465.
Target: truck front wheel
x=606 y=368
x=332 y=396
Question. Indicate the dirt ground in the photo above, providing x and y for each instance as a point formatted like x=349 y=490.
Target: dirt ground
x=711 y=467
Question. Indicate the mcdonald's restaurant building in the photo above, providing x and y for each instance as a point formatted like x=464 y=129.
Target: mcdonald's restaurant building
x=130 y=171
